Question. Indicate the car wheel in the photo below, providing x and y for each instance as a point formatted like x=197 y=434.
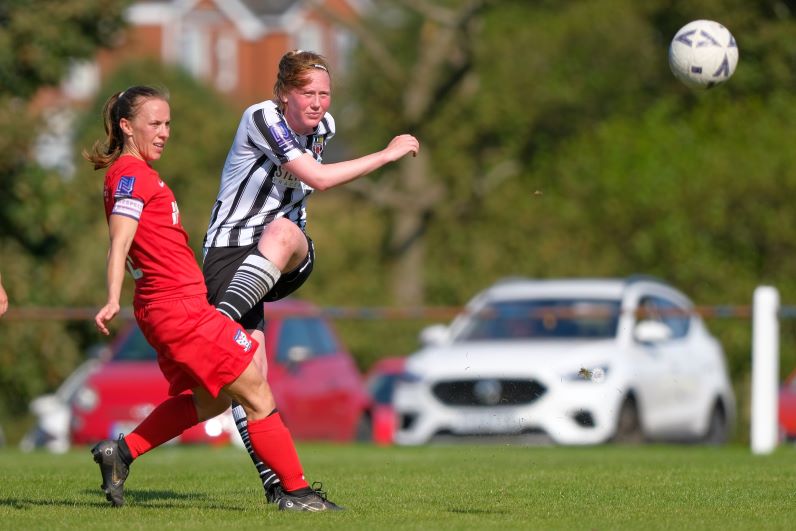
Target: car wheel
x=364 y=428
x=628 y=426
x=717 y=432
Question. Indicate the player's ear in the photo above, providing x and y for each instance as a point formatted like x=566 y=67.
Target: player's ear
x=126 y=127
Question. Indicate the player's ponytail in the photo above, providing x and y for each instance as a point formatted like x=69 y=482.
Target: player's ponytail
x=123 y=104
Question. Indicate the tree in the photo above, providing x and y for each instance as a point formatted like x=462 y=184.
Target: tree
x=38 y=40
x=38 y=43
x=491 y=98
x=568 y=148
x=434 y=67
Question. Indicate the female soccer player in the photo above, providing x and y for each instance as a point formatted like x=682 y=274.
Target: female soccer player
x=256 y=247
x=205 y=356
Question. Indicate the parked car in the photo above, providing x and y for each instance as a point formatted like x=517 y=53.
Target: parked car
x=318 y=388
x=53 y=413
x=380 y=381
x=577 y=361
x=787 y=407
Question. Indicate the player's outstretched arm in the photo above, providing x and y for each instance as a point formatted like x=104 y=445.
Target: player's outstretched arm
x=122 y=230
x=325 y=176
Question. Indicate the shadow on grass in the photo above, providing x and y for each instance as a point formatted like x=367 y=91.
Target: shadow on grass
x=456 y=510
x=140 y=498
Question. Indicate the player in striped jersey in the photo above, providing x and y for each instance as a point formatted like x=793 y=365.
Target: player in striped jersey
x=256 y=247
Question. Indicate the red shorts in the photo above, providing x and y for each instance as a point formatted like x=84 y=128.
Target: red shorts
x=196 y=345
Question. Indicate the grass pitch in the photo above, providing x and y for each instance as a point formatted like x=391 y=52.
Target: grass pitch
x=434 y=487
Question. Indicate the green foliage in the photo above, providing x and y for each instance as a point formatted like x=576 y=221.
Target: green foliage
x=38 y=220
x=621 y=169
x=563 y=144
x=39 y=39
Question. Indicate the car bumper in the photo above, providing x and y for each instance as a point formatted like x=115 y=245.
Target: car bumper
x=575 y=413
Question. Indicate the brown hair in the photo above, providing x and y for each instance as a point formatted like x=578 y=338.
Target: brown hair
x=124 y=104
x=294 y=69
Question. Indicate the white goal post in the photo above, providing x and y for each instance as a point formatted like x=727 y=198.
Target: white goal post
x=765 y=370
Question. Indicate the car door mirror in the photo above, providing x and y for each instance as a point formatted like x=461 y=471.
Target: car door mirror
x=652 y=332
x=99 y=351
x=433 y=335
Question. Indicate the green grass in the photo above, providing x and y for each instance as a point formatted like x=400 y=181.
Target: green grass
x=434 y=487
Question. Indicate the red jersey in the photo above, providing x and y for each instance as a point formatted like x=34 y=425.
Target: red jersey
x=160 y=259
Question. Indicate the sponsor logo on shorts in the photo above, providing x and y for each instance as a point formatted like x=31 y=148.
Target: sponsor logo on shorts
x=242 y=339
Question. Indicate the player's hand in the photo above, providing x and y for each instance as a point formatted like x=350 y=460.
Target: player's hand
x=402 y=145
x=3 y=301
x=106 y=313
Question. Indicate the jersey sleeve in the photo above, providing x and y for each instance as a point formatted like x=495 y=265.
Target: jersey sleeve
x=268 y=130
x=328 y=126
x=130 y=195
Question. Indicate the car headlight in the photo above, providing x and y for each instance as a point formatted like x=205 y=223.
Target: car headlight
x=214 y=427
x=407 y=377
x=596 y=374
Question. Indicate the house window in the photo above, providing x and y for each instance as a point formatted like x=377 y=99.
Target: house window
x=227 y=61
x=82 y=80
x=194 y=51
x=310 y=38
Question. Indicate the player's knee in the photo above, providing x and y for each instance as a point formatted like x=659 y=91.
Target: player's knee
x=208 y=407
x=281 y=232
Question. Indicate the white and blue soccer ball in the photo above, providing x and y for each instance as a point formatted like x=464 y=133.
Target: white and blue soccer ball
x=703 y=54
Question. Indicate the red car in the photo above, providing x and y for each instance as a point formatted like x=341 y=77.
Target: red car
x=318 y=388
x=380 y=382
x=787 y=407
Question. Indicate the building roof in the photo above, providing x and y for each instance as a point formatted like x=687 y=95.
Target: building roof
x=268 y=8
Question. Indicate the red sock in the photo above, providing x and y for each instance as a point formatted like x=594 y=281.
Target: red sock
x=272 y=442
x=168 y=420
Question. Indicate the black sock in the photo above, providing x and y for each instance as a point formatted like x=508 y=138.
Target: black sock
x=251 y=282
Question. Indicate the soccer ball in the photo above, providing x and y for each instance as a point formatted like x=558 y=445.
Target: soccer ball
x=703 y=54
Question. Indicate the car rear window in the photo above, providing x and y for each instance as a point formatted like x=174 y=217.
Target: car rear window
x=311 y=333
x=543 y=319
x=135 y=348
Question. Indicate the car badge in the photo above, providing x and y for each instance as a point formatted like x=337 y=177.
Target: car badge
x=488 y=392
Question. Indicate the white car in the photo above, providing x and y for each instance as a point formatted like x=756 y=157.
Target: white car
x=52 y=411
x=577 y=361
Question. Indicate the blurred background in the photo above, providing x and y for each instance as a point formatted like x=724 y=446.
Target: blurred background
x=555 y=143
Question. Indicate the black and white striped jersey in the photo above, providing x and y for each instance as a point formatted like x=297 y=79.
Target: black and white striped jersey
x=254 y=188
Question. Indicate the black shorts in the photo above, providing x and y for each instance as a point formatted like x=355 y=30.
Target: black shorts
x=221 y=263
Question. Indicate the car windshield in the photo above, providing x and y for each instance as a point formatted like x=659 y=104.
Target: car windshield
x=543 y=319
x=382 y=387
x=135 y=348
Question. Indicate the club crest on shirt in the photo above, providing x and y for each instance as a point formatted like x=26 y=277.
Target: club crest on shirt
x=243 y=340
x=317 y=144
x=125 y=186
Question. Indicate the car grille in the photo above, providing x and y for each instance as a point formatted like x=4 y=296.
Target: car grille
x=488 y=392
